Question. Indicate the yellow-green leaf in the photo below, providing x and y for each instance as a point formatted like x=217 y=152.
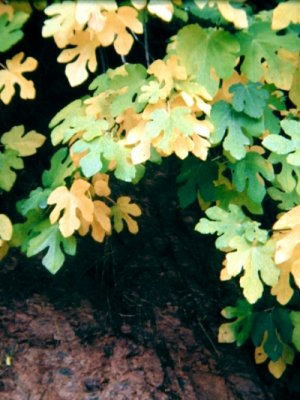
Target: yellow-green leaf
x=6 y=228
x=25 y=145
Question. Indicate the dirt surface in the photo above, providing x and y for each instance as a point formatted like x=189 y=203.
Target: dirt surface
x=135 y=319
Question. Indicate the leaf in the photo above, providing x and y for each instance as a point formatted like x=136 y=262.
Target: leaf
x=61 y=168
x=101 y=224
x=226 y=224
x=287 y=254
x=126 y=84
x=196 y=177
x=257 y=262
x=10 y=28
x=115 y=30
x=13 y=75
x=162 y=10
x=122 y=211
x=249 y=98
x=295 y=319
x=9 y=160
x=85 y=57
x=238 y=330
x=25 y=145
x=260 y=44
x=286 y=13
x=49 y=237
x=248 y=174
x=6 y=228
x=100 y=185
x=282 y=145
x=235 y=15
x=62 y=23
x=200 y=51
x=71 y=203
x=37 y=200
x=238 y=128
x=63 y=120
x=294 y=93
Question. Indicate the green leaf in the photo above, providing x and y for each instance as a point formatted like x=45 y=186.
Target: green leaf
x=37 y=200
x=240 y=329
x=281 y=145
x=115 y=151
x=25 y=145
x=132 y=82
x=63 y=120
x=249 y=98
x=9 y=160
x=200 y=51
x=61 y=168
x=10 y=31
x=49 y=237
x=248 y=174
x=277 y=324
x=226 y=224
x=295 y=318
x=196 y=176
x=261 y=44
x=238 y=127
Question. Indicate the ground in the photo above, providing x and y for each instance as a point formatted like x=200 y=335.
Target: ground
x=135 y=318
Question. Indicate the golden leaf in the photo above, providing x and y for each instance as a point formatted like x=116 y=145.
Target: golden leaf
x=100 y=184
x=115 y=29
x=70 y=202
x=286 y=13
x=13 y=75
x=85 y=57
x=101 y=224
x=123 y=210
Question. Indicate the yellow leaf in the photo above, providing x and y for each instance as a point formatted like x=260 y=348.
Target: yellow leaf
x=277 y=368
x=294 y=93
x=123 y=210
x=115 y=29
x=286 y=13
x=226 y=333
x=25 y=145
x=101 y=224
x=62 y=24
x=70 y=202
x=4 y=247
x=13 y=75
x=260 y=355
x=91 y=13
x=6 y=228
x=100 y=184
x=289 y=237
x=164 y=10
x=282 y=289
x=84 y=55
x=237 y=16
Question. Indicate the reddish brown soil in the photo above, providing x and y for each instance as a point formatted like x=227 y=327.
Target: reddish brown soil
x=137 y=321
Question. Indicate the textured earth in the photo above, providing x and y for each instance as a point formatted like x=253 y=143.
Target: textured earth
x=136 y=318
